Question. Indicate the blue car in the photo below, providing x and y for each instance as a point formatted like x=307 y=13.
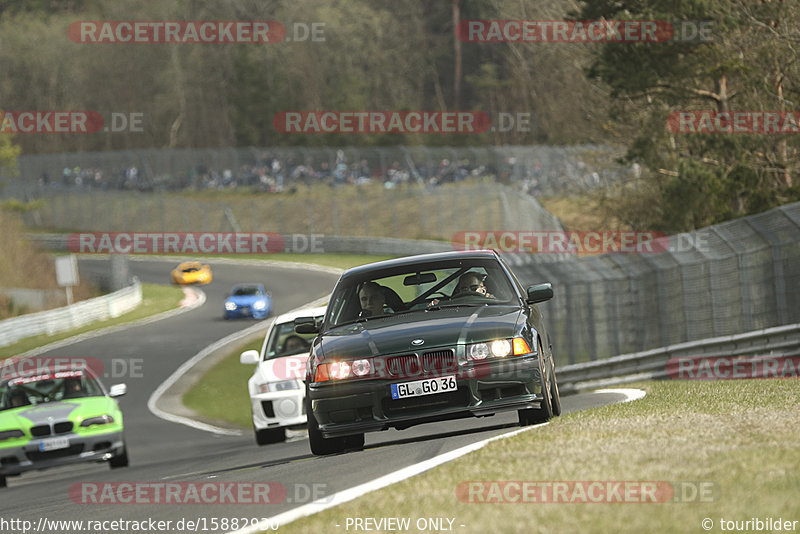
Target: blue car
x=248 y=300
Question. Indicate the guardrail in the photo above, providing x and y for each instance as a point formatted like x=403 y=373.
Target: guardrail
x=69 y=317
x=776 y=342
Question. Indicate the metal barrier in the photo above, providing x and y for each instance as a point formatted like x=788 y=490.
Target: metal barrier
x=69 y=317
x=774 y=343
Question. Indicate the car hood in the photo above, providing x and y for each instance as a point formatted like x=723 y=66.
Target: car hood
x=73 y=410
x=439 y=328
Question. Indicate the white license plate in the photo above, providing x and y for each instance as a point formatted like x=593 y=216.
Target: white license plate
x=428 y=386
x=53 y=444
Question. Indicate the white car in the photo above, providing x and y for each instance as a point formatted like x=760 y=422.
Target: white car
x=276 y=388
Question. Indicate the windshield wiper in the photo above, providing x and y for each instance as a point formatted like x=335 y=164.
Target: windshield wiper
x=443 y=306
x=364 y=319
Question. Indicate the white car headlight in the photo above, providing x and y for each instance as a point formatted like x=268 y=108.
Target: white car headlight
x=230 y=306
x=478 y=351
x=282 y=385
x=501 y=348
x=260 y=305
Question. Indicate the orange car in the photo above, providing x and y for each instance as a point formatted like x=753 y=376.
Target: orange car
x=191 y=272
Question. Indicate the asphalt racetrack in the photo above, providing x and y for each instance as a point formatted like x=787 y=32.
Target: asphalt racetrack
x=163 y=452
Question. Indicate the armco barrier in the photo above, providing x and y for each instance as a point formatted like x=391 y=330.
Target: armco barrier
x=776 y=342
x=58 y=320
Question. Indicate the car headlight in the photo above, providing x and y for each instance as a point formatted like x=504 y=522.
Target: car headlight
x=342 y=370
x=283 y=385
x=260 y=305
x=498 y=348
x=10 y=434
x=230 y=306
x=99 y=420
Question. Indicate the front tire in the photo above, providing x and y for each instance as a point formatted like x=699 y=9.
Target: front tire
x=320 y=445
x=119 y=460
x=535 y=416
x=555 y=396
x=270 y=435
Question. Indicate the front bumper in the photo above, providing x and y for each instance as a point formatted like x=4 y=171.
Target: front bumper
x=358 y=406
x=96 y=447
x=278 y=409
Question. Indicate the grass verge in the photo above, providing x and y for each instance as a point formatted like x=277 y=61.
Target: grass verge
x=221 y=394
x=737 y=437
x=155 y=299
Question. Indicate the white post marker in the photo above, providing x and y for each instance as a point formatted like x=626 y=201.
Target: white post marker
x=67 y=274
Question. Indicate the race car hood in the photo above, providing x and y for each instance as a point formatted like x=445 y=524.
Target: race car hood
x=75 y=410
x=439 y=328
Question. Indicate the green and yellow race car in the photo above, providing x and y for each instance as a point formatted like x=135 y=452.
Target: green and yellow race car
x=58 y=417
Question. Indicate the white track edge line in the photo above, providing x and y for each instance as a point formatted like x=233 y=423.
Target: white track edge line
x=191 y=362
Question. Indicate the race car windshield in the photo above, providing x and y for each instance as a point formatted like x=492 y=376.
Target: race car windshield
x=410 y=288
x=283 y=341
x=39 y=389
x=245 y=291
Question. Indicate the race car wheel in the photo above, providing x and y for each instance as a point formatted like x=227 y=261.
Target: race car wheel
x=320 y=445
x=2 y=481
x=270 y=435
x=119 y=460
x=534 y=416
x=555 y=397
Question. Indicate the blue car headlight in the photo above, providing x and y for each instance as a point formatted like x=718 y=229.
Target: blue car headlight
x=230 y=306
x=260 y=305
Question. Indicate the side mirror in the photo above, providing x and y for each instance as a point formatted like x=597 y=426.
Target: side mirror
x=117 y=390
x=540 y=293
x=249 y=357
x=306 y=325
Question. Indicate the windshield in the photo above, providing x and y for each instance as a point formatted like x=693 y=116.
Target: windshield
x=48 y=387
x=284 y=341
x=245 y=291
x=418 y=287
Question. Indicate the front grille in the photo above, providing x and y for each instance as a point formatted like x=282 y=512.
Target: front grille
x=63 y=428
x=404 y=366
x=41 y=430
x=439 y=362
x=38 y=456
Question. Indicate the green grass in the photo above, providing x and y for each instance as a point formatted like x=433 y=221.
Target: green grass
x=737 y=438
x=155 y=299
x=221 y=394
x=370 y=210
